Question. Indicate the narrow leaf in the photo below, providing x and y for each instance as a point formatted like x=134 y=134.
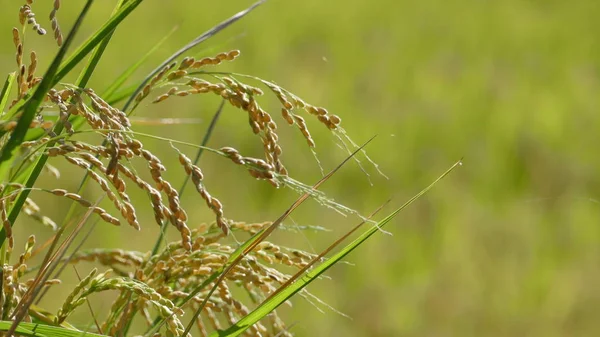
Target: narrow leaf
x=211 y=32
x=29 y=110
x=95 y=39
x=10 y=79
x=119 y=81
x=273 y=302
x=87 y=72
x=250 y=244
x=42 y=330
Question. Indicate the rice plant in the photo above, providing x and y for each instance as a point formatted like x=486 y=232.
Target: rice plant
x=45 y=120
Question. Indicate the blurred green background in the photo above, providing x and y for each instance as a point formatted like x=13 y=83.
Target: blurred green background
x=508 y=245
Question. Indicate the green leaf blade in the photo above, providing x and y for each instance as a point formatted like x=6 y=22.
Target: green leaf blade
x=272 y=303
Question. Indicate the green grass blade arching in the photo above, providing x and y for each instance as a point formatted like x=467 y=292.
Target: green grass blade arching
x=247 y=246
x=203 y=37
x=10 y=80
x=251 y=243
x=29 y=110
x=82 y=81
x=273 y=302
x=41 y=330
x=88 y=70
x=95 y=39
x=89 y=44
x=122 y=94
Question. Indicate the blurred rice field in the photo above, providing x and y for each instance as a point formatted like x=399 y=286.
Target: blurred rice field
x=507 y=245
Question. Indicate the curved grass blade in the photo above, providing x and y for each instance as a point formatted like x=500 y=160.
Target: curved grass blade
x=8 y=83
x=216 y=29
x=250 y=244
x=122 y=94
x=323 y=253
x=87 y=72
x=42 y=330
x=89 y=44
x=30 y=108
x=32 y=104
x=245 y=248
x=97 y=38
x=277 y=299
x=49 y=264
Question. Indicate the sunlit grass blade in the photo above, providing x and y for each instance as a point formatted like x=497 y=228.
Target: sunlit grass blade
x=89 y=45
x=250 y=244
x=88 y=70
x=164 y=121
x=41 y=330
x=324 y=252
x=8 y=83
x=211 y=32
x=109 y=93
x=51 y=261
x=96 y=39
x=32 y=104
x=273 y=302
x=30 y=109
x=122 y=94
x=82 y=81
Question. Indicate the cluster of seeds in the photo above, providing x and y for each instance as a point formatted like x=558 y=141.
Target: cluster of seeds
x=6 y=225
x=209 y=255
x=156 y=283
x=13 y=286
x=290 y=102
x=257 y=168
x=188 y=63
x=85 y=203
x=26 y=15
x=55 y=26
x=242 y=96
x=25 y=75
x=213 y=203
x=113 y=258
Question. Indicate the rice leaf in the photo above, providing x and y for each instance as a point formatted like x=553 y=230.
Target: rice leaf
x=29 y=110
x=273 y=302
x=204 y=36
x=42 y=330
x=10 y=79
x=109 y=93
x=96 y=39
